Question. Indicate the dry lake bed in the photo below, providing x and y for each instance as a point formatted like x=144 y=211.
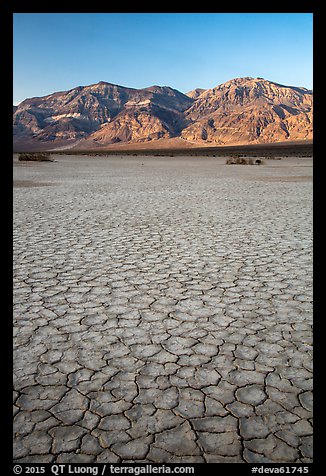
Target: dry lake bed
x=162 y=310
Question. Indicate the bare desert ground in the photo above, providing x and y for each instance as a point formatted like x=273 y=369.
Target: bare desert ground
x=162 y=310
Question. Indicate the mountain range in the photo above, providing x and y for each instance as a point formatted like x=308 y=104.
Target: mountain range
x=240 y=111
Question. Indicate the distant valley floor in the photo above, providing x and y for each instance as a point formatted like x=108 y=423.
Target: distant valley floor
x=175 y=147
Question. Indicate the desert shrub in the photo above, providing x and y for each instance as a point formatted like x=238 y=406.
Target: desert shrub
x=35 y=156
x=242 y=161
x=236 y=161
x=229 y=161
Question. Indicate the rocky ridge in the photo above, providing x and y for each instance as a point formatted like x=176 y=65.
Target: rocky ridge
x=250 y=110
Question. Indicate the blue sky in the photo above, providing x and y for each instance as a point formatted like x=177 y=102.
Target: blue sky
x=57 y=52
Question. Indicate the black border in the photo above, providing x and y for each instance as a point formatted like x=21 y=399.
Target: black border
x=8 y=8
x=99 y=6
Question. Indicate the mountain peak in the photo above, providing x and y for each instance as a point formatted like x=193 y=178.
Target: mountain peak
x=195 y=93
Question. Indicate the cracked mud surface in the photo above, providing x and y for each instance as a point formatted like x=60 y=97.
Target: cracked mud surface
x=162 y=311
